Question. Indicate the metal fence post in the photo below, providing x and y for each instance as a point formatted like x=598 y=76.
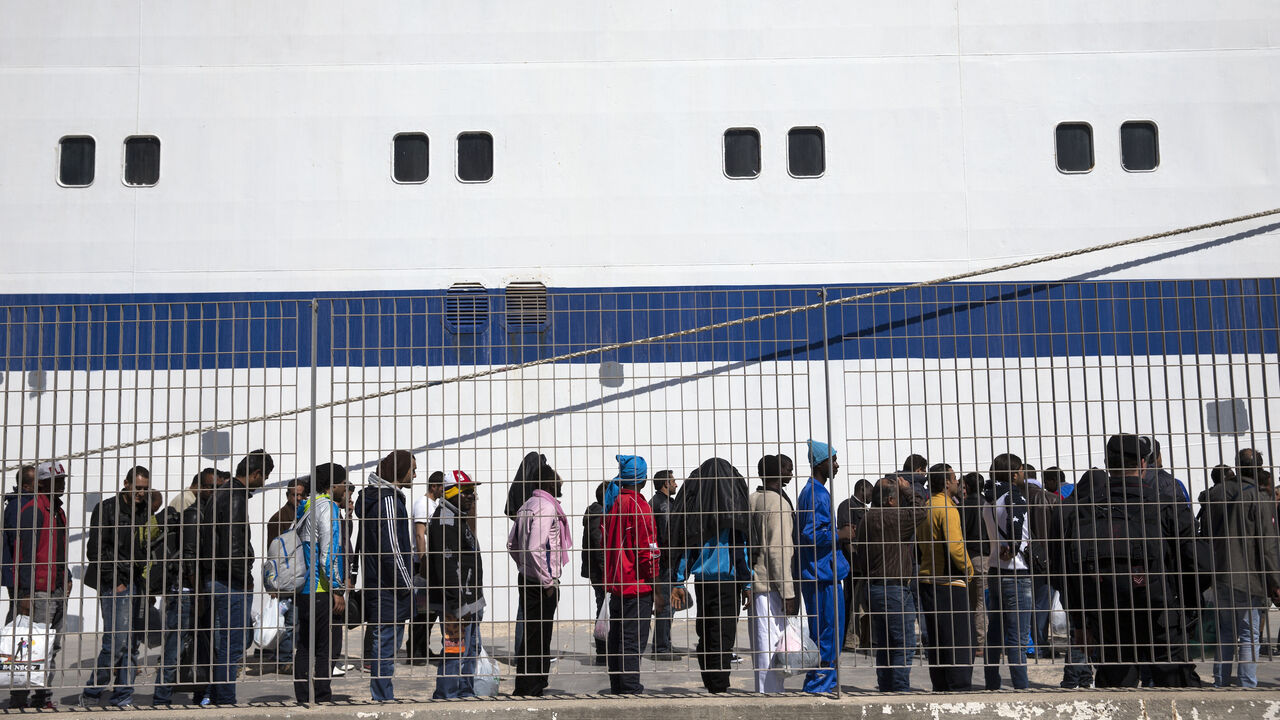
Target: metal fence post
x=836 y=589
x=313 y=596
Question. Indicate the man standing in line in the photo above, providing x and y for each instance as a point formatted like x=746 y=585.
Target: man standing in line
x=424 y=507
x=945 y=573
x=35 y=563
x=227 y=557
x=822 y=566
x=320 y=533
x=593 y=559
x=386 y=545
x=539 y=544
x=630 y=567
x=976 y=544
x=457 y=585
x=664 y=488
x=773 y=589
x=884 y=554
x=182 y=528
x=1011 y=604
x=117 y=553
x=849 y=515
x=1240 y=524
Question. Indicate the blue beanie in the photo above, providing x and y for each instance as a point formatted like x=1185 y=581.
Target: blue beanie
x=632 y=469
x=819 y=452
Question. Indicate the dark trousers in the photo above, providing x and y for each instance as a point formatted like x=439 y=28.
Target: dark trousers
x=628 y=622
x=949 y=644
x=420 y=634
x=717 y=628
x=315 y=623
x=533 y=652
x=662 y=622
x=600 y=594
x=1138 y=640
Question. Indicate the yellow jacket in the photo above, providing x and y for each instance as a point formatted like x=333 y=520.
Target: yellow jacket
x=943 y=559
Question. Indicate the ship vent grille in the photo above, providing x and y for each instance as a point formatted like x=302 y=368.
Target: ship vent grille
x=466 y=308
x=526 y=306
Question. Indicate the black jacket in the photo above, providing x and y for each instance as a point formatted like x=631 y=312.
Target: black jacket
x=118 y=549
x=456 y=568
x=225 y=548
x=593 y=544
x=178 y=551
x=386 y=549
x=976 y=541
x=660 y=504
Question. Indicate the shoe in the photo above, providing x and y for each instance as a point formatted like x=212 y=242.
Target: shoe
x=337 y=671
x=285 y=669
x=126 y=703
x=736 y=658
x=87 y=700
x=205 y=701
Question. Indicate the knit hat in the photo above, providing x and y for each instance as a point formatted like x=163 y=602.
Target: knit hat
x=819 y=452
x=632 y=469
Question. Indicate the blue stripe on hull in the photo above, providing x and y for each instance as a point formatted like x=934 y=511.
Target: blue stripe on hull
x=963 y=320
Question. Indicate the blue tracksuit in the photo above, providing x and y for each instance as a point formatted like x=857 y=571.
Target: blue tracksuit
x=822 y=567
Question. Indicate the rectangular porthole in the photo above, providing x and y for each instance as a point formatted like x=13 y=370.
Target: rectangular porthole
x=76 y=155
x=141 y=160
x=1073 y=143
x=806 y=152
x=475 y=157
x=1139 y=146
x=410 y=161
x=742 y=152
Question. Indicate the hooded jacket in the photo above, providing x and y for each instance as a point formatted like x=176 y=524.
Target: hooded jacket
x=119 y=542
x=456 y=568
x=35 y=544
x=714 y=518
x=631 y=545
x=386 y=548
x=1240 y=525
x=524 y=483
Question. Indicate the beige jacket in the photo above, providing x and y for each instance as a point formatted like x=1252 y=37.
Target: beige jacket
x=772 y=543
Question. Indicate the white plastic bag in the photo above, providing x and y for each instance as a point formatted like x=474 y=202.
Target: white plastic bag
x=268 y=623
x=602 y=621
x=23 y=649
x=1058 y=618
x=488 y=675
x=795 y=652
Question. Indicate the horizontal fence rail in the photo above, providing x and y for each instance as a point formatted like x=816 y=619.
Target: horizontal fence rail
x=844 y=489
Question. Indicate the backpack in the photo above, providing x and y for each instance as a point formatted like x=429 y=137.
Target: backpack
x=285 y=569
x=1121 y=545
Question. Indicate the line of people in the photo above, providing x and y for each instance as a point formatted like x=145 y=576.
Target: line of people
x=968 y=562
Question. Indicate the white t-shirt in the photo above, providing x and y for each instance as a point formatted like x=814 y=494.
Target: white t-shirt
x=423 y=508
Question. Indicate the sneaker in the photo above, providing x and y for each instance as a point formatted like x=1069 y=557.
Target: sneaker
x=736 y=658
x=337 y=671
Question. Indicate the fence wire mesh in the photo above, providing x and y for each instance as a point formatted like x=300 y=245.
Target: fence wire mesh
x=747 y=507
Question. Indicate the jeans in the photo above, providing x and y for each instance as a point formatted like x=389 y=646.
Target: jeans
x=628 y=623
x=1239 y=623
x=662 y=622
x=1042 y=594
x=386 y=640
x=179 y=632
x=456 y=677
x=115 y=659
x=893 y=634
x=231 y=633
x=1008 y=626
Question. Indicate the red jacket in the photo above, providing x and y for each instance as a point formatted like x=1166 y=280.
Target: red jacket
x=631 y=546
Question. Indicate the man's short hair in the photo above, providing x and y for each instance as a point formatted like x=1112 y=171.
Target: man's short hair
x=915 y=464
x=1004 y=467
x=1221 y=474
x=26 y=473
x=660 y=478
x=886 y=491
x=1029 y=471
x=135 y=472
x=436 y=478
x=1127 y=451
x=328 y=475
x=972 y=482
x=256 y=460
x=198 y=480
x=1248 y=463
x=938 y=475
x=1054 y=477
x=770 y=467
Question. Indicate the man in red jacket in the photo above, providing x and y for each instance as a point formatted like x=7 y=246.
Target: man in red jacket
x=630 y=565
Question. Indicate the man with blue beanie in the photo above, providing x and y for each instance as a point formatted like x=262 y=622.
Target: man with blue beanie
x=631 y=557
x=822 y=566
